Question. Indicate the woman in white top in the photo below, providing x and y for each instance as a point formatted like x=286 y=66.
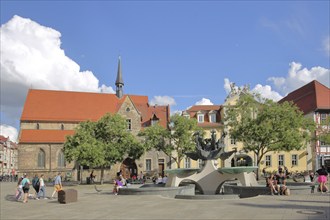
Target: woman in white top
x=42 y=188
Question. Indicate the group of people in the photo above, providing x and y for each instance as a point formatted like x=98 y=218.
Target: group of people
x=277 y=182
x=39 y=186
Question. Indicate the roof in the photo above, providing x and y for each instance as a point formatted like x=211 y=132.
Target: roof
x=310 y=97
x=67 y=106
x=44 y=136
x=197 y=108
x=75 y=107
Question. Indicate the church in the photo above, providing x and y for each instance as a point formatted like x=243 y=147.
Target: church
x=49 y=116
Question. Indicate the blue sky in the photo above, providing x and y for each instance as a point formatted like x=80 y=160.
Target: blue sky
x=180 y=51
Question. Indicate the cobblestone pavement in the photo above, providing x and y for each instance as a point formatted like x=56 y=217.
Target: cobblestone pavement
x=105 y=205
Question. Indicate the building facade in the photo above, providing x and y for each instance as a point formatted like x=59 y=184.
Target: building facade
x=49 y=116
x=8 y=158
x=313 y=99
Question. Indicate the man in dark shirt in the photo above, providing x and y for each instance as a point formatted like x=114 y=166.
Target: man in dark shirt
x=281 y=183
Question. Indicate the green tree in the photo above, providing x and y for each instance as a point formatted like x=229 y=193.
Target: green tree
x=179 y=139
x=102 y=143
x=263 y=125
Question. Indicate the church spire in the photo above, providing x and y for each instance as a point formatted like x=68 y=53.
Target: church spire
x=119 y=81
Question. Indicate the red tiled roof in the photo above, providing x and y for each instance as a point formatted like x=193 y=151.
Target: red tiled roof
x=310 y=97
x=197 y=108
x=44 y=136
x=66 y=106
x=3 y=138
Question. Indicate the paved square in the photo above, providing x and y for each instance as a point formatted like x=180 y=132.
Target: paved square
x=104 y=205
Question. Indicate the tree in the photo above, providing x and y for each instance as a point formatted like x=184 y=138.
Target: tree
x=179 y=138
x=102 y=143
x=264 y=126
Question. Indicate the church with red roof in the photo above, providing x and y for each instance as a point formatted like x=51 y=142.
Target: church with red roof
x=49 y=116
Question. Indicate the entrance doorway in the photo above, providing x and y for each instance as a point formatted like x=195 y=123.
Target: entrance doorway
x=161 y=167
x=128 y=168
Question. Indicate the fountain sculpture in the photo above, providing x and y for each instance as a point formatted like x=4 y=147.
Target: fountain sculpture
x=209 y=177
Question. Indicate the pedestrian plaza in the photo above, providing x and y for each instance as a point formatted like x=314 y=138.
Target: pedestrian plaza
x=104 y=205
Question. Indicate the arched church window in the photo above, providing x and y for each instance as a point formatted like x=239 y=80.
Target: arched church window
x=41 y=158
x=60 y=159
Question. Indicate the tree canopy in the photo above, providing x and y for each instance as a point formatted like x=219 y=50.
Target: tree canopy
x=263 y=125
x=178 y=139
x=102 y=143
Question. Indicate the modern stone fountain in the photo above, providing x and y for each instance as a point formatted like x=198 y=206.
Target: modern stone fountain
x=209 y=178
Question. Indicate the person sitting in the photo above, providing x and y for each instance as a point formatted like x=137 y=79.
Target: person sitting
x=164 y=180
x=92 y=176
x=281 y=183
x=271 y=184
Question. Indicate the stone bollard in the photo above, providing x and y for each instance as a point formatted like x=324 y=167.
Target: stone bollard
x=67 y=196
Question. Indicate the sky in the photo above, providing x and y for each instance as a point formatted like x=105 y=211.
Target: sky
x=178 y=53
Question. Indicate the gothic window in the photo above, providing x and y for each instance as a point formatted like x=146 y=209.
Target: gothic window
x=38 y=126
x=60 y=159
x=62 y=126
x=41 y=159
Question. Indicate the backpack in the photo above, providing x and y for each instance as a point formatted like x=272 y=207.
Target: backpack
x=26 y=185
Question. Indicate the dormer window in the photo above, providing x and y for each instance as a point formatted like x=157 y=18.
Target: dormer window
x=200 y=117
x=212 y=117
x=154 y=120
x=185 y=114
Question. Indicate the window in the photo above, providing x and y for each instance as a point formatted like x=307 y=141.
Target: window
x=153 y=122
x=268 y=160
x=294 y=160
x=148 y=164
x=128 y=109
x=323 y=118
x=129 y=124
x=41 y=158
x=200 y=118
x=281 y=160
x=38 y=126
x=232 y=141
x=187 y=162
x=60 y=159
x=62 y=126
x=213 y=118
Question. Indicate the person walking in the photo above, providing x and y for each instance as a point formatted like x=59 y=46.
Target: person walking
x=57 y=184
x=26 y=187
x=36 y=185
x=42 y=188
x=322 y=179
x=19 y=191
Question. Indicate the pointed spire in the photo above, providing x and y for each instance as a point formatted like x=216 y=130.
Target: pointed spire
x=119 y=81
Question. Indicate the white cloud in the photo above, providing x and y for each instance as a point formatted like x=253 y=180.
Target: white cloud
x=204 y=101
x=31 y=57
x=9 y=131
x=267 y=92
x=298 y=76
x=326 y=45
x=162 y=100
